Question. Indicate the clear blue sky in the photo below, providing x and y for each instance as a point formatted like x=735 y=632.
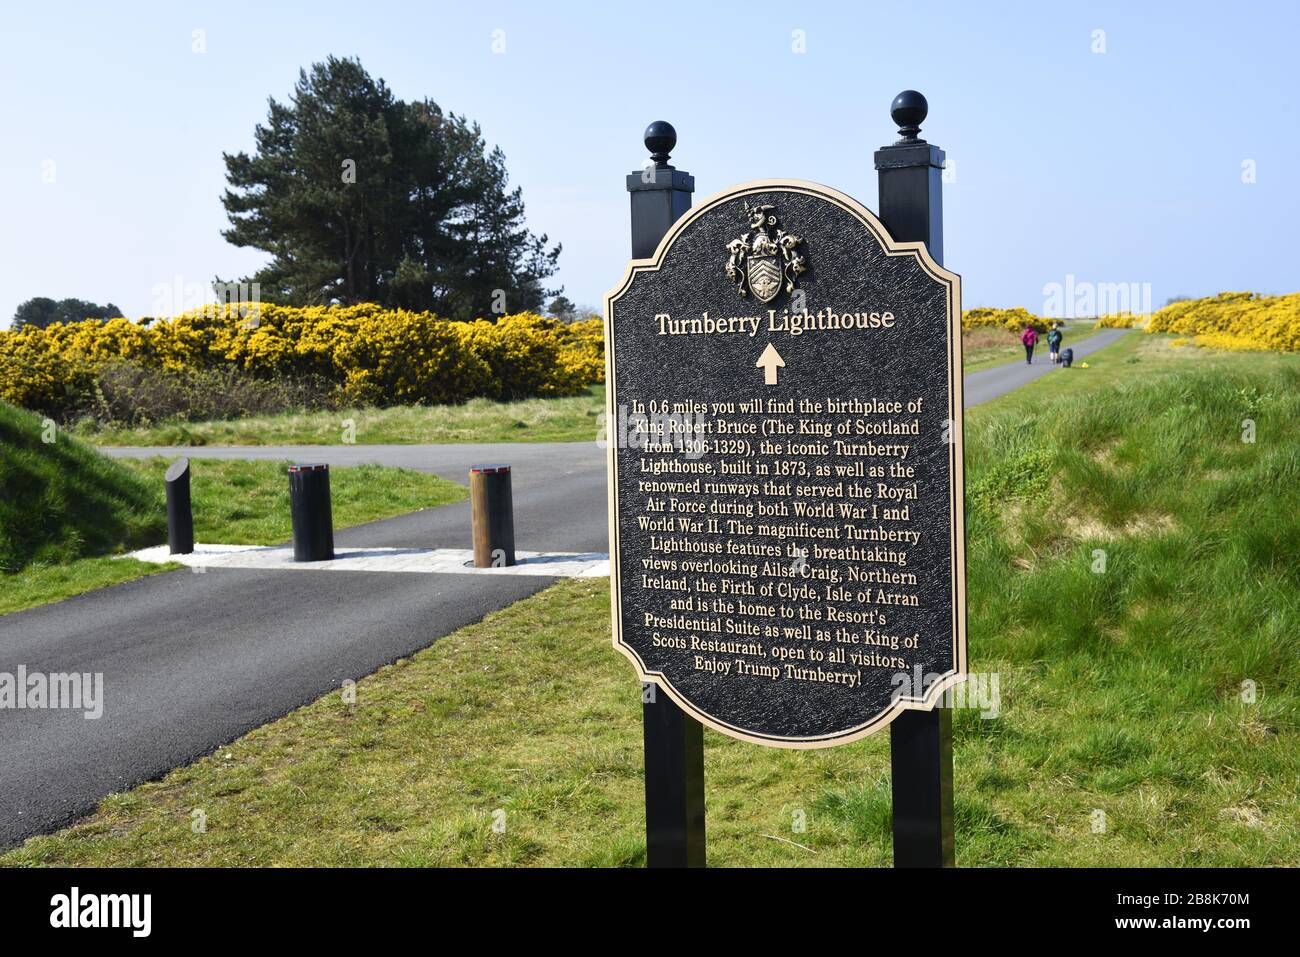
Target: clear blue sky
x=1122 y=166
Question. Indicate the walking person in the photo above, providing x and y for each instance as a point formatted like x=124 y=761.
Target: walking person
x=1054 y=343
x=1030 y=339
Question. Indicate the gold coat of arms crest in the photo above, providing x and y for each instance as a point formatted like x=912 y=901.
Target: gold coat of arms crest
x=764 y=258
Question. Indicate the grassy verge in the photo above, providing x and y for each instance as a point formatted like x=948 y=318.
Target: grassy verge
x=985 y=348
x=61 y=500
x=244 y=502
x=1120 y=685
x=572 y=419
x=42 y=584
x=235 y=503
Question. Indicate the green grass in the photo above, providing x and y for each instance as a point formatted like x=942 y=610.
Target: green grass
x=234 y=503
x=61 y=500
x=245 y=502
x=62 y=507
x=42 y=584
x=1120 y=690
x=574 y=419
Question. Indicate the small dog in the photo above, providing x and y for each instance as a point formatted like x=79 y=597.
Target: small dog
x=1067 y=357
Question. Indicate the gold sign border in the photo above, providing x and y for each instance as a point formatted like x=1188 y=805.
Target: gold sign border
x=957 y=486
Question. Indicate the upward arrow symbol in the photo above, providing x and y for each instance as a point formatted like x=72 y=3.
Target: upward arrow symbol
x=769 y=362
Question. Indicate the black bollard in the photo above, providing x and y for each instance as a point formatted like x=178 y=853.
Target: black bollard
x=492 y=517
x=309 y=507
x=180 y=516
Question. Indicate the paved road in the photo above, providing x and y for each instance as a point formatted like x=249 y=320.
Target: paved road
x=991 y=383
x=191 y=661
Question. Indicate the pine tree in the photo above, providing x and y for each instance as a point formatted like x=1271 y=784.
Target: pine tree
x=361 y=197
x=42 y=311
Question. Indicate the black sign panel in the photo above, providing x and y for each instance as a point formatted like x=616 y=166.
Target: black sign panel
x=784 y=427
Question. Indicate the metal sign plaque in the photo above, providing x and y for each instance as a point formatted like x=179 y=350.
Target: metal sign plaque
x=785 y=468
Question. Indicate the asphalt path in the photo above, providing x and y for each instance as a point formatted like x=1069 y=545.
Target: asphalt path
x=191 y=661
x=990 y=383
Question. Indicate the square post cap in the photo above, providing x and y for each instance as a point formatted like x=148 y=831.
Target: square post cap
x=660 y=138
x=909 y=111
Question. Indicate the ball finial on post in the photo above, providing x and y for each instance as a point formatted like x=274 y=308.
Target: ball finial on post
x=909 y=110
x=660 y=138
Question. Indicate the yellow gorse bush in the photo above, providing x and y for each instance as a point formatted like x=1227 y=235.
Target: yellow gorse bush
x=1011 y=319
x=583 y=354
x=1118 y=320
x=1016 y=319
x=372 y=354
x=1235 y=320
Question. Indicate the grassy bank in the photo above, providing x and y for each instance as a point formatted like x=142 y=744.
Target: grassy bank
x=1121 y=680
x=61 y=505
x=61 y=500
x=235 y=502
x=479 y=420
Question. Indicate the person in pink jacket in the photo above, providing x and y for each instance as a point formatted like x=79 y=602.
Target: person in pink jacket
x=1030 y=339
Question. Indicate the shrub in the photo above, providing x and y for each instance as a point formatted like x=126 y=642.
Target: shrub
x=1235 y=320
x=1011 y=319
x=34 y=374
x=1118 y=320
x=584 y=350
x=363 y=353
x=525 y=354
x=401 y=357
x=129 y=394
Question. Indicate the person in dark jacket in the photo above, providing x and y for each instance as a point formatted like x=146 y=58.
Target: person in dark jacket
x=1054 y=343
x=1029 y=338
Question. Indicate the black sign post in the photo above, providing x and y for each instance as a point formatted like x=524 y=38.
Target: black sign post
x=920 y=742
x=784 y=409
x=674 y=741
